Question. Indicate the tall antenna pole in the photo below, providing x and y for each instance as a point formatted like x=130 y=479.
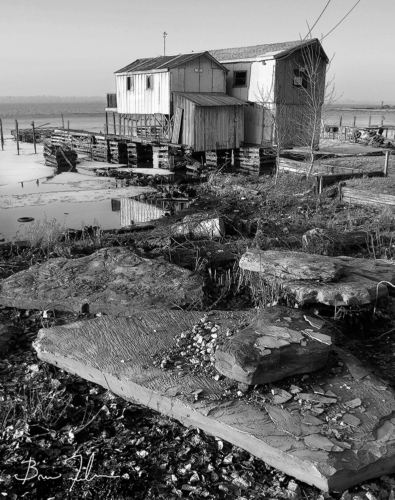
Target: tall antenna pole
x=164 y=42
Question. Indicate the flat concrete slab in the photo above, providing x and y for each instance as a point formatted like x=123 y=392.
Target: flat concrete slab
x=310 y=278
x=333 y=434
x=112 y=281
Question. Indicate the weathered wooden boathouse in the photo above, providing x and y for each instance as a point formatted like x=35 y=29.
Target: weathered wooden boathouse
x=177 y=99
x=279 y=79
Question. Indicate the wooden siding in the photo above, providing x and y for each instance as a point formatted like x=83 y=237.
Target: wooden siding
x=258 y=125
x=293 y=102
x=207 y=128
x=285 y=92
x=209 y=77
x=140 y=100
x=260 y=81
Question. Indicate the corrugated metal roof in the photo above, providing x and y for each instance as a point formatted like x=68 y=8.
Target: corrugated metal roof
x=275 y=49
x=211 y=98
x=163 y=62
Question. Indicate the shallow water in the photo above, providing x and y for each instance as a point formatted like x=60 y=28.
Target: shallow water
x=27 y=174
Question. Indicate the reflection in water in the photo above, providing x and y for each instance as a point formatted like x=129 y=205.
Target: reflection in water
x=133 y=212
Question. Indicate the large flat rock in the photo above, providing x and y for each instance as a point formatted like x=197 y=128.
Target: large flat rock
x=333 y=435
x=111 y=281
x=291 y=265
x=358 y=281
x=278 y=343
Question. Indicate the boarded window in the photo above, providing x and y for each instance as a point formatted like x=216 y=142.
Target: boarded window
x=240 y=78
x=300 y=78
x=150 y=82
x=129 y=83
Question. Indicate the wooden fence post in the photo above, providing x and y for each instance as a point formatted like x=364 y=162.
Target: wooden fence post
x=34 y=138
x=355 y=120
x=341 y=191
x=1 y=135
x=62 y=120
x=17 y=135
x=115 y=127
x=370 y=120
x=386 y=162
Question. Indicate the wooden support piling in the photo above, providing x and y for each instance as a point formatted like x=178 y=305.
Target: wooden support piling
x=355 y=120
x=17 y=135
x=34 y=138
x=370 y=121
x=386 y=163
x=1 y=135
x=62 y=121
x=106 y=123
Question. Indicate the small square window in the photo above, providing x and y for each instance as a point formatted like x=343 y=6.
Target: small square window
x=129 y=83
x=300 y=78
x=240 y=78
x=150 y=82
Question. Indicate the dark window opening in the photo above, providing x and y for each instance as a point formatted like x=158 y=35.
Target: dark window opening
x=150 y=82
x=129 y=83
x=300 y=78
x=240 y=78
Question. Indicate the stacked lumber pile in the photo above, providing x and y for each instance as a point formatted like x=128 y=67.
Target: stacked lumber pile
x=248 y=160
x=100 y=150
x=132 y=154
x=62 y=158
x=118 y=152
x=26 y=134
x=163 y=156
x=77 y=140
x=211 y=159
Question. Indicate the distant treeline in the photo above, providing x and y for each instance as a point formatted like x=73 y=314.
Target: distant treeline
x=49 y=99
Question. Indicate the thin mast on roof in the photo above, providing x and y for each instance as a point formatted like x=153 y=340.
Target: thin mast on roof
x=164 y=42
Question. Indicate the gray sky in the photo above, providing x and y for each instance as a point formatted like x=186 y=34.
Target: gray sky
x=73 y=47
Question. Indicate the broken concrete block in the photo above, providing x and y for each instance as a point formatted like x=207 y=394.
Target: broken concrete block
x=112 y=280
x=344 y=280
x=280 y=342
x=117 y=353
x=291 y=265
x=200 y=226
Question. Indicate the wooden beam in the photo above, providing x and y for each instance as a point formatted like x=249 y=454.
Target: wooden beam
x=17 y=135
x=1 y=135
x=386 y=163
x=34 y=138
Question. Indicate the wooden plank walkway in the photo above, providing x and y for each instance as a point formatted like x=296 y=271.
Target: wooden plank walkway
x=333 y=436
